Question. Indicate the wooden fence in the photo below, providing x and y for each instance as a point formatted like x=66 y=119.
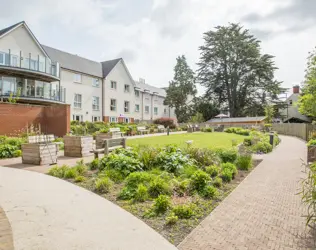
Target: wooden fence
x=300 y=130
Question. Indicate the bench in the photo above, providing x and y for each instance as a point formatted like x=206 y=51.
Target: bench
x=109 y=146
x=142 y=130
x=116 y=132
x=161 y=128
x=40 y=150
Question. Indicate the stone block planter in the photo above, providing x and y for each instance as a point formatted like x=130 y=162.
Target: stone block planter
x=78 y=146
x=311 y=154
x=39 y=153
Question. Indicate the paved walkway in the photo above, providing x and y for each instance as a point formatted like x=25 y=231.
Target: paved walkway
x=263 y=212
x=6 y=239
x=52 y=214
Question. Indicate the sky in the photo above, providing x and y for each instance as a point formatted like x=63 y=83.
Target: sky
x=150 y=34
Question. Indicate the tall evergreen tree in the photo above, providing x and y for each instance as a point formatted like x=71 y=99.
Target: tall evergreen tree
x=180 y=88
x=235 y=73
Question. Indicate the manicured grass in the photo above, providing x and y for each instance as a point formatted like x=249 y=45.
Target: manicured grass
x=201 y=140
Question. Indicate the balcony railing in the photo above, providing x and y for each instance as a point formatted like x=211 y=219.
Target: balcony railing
x=31 y=62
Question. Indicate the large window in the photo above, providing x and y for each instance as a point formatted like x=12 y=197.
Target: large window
x=2 y=58
x=126 y=106
x=78 y=101
x=113 y=119
x=113 y=85
x=136 y=107
x=95 y=102
x=96 y=118
x=78 y=118
x=96 y=82
x=126 y=88
x=113 y=105
x=137 y=93
x=155 y=110
x=77 y=78
x=146 y=109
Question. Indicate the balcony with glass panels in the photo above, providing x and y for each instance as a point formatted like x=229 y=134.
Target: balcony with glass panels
x=30 y=66
x=31 y=91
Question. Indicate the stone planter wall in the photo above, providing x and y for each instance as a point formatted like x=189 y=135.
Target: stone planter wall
x=39 y=154
x=78 y=146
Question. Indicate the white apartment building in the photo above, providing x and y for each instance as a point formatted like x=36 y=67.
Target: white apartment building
x=96 y=91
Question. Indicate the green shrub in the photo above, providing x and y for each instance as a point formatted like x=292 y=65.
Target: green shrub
x=188 y=171
x=94 y=164
x=209 y=192
x=204 y=156
x=80 y=178
x=213 y=170
x=113 y=174
x=184 y=211
x=157 y=187
x=227 y=155
x=208 y=130
x=200 y=180
x=58 y=172
x=312 y=142
x=71 y=173
x=126 y=193
x=81 y=168
x=7 y=151
x=244 y=162
x=171 y=219
x=217 y=182
x=17 y=153
x=231 y=167
x=161 y=204
x=247 y=142
x=15 y=141
x=141 y=193
x=262 y=147
x=226 y=175
x=102 y=185
x=137 y=178
x=147 y=156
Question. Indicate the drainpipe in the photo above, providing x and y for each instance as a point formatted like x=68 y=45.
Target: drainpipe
x=142 y=106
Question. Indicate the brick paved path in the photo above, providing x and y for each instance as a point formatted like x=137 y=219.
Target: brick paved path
x=263 y=212
x=6 y=238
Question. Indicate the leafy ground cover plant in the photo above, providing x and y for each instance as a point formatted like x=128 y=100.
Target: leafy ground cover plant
x=244 y=162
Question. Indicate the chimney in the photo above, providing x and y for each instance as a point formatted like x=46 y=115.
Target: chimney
x=296 y=89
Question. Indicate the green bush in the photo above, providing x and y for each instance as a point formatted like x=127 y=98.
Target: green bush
x=181 y=187
x=204 y=156
x=157 y=187
x=184 y=211
x=217 y=182
x=226 y=175
x=161 y=204
x=311 y=142
x=239 y=131
x=247 y=142
x=244 y=162
x=200 y=180
x=208 y=130
x=231 y=167
x=94 y=164
x=209 y=192
x=126 y=193
x=147 y=156
x=227 y=155
x=80 y=178
x=71 y=173
x=102 y=185
x=137 y=178
x=7 y=151
x=113 y=174
x=262 y=147
x=171 y=219
x=15 y=141
x=188 y=171
x=213 y=170
x=141 y=193
x=81 y=168
x=17 y=153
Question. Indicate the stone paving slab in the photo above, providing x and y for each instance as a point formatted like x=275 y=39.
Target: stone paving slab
x=47 y=213
x=263 y=212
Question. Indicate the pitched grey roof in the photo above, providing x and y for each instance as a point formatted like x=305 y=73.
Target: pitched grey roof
x=74 y=62
x=5 y=30
x=151 y=89
x=237 y=119
x=107 y=66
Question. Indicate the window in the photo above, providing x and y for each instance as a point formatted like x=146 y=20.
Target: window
x=126 y=120
x=137 y=93
x=165 y=111
x=95 y=82
x=113 y=105
x=95 y=118
x=155 y=110
x=113 y=119
x=146 y=109
x=126 y=88
x=113 y=85
x=33 y=64
x=78 y=100
x=14 y=61
x=126 y=107
x=78 y=118
x=136 y=107
x=2 y=58
x=95 y=102
x=77 y=78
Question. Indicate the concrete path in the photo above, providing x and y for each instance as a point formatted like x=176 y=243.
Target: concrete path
x=263 y=212
x=52 y=214
x=6 y=238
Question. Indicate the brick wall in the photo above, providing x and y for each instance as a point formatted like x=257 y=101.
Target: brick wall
x=16 y=118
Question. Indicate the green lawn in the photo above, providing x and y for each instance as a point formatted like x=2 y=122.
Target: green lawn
x=201 y=140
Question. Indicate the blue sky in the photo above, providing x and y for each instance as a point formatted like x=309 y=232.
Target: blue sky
x=150 y=34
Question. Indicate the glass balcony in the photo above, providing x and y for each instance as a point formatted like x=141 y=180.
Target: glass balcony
x=31 y=63
x=28 y=89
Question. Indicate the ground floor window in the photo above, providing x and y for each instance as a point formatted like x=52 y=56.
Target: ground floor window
x=96 y=118
x=127 y=120
x=113 y=119
x=78 y=118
